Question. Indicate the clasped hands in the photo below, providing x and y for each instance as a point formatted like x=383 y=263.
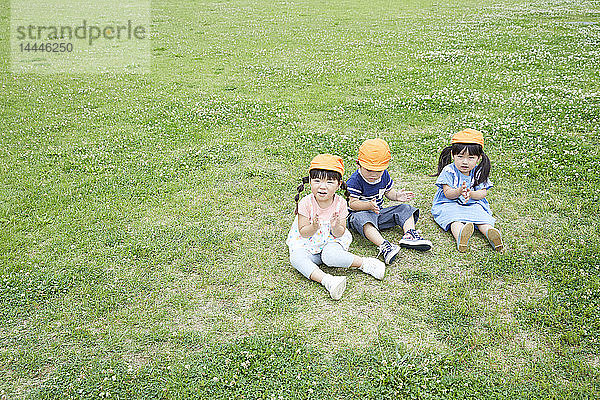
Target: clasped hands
x=465 y=192
x=335 y=222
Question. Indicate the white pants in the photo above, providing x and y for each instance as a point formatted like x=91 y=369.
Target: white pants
x=332 y=255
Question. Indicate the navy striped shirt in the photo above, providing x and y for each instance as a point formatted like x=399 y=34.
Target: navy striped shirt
x=363 y=190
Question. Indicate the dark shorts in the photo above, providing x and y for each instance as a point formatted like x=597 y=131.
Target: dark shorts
x=387 y=218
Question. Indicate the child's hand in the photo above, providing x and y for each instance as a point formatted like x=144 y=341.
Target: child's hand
x=402 y=195
x=338 y=225
x=465 y=192
x=335 y=219
x=374 y=207
x=316 y=224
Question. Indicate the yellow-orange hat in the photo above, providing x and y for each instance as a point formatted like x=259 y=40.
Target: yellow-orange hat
x=328 y=162
x=468 y=136
x=374 y=154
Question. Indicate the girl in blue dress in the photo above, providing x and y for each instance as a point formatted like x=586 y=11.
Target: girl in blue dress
x=460 y=204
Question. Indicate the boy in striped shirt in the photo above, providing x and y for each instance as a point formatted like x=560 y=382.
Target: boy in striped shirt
x=367 y=186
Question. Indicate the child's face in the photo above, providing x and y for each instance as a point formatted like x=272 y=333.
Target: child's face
x=323 y=189
x=465 y=162
x=370 y=176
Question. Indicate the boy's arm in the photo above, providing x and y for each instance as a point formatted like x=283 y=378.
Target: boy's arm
x=361 y=205
x=399 y=195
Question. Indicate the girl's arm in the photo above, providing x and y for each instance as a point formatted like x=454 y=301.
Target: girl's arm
x=338 y=225
x=306 y=228
x=338 y=219
x=452 y=193
x=478 y=194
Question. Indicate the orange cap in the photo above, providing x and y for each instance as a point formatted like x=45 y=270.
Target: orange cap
x=328 y=162
x=468 y=136
x=374 y=154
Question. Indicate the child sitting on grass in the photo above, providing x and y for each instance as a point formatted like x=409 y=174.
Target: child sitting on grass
x=319 y=235
x=460 y=203
x=367 y=186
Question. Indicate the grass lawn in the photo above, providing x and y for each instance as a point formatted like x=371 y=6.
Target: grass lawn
x=143 y=217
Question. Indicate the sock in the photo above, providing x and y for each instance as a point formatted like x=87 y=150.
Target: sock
x=326 y=281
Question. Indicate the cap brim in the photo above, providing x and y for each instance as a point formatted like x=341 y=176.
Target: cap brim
x=371 y=167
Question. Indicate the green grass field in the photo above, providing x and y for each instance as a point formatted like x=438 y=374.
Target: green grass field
x=143 y=217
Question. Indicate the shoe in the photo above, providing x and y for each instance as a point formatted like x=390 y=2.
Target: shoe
x=463 y=237
x=373 y=267
x=389 y=251
x=495 y=239
x=336 y=286
x=413 y=240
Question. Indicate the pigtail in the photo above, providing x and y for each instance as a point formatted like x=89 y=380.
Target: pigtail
x=482 y=171
x=300 y=189
x=321 y=174
x=445 y=159
x=344 y=187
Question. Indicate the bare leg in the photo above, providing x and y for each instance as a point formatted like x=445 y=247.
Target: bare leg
x=357 y=263
x=373 y=234
x=317 y=275
x=455 y=227
x=409 y=224
x=493 y=236
x=483 y=228
x=462 y=232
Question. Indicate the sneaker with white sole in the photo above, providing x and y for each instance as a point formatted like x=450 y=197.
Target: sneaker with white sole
x=495 y=239
x=373 y=267
x=412 y=239
x=389 y=251
x=335 y=285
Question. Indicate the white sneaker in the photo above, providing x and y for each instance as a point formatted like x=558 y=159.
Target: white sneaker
x=335 y=285
x=373 y=267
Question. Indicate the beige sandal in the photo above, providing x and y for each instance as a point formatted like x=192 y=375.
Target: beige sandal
x=495 y=239
x=463 y=237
